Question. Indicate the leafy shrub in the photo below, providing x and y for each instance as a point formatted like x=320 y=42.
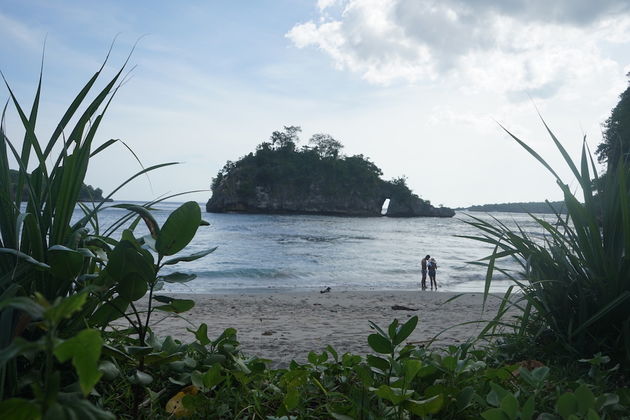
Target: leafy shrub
x=61 y=280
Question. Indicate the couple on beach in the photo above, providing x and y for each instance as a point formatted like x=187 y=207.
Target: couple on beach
x=428 y=264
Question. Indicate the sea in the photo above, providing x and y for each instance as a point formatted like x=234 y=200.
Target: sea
x=287 y=253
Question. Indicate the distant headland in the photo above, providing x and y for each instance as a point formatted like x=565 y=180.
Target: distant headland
x=545 y=207
x=279 y=178
x=86 y=193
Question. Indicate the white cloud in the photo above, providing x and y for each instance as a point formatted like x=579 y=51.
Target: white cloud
x=325 y=4
x=519 y=48
x=17 y=31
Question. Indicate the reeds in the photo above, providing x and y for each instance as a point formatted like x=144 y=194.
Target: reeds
x=576 y=279
x=40 y=249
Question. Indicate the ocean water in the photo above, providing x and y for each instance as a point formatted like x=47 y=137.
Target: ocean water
x=299 y=252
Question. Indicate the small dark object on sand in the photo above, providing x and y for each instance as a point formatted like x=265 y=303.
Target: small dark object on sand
x=326 y=290
x=402 y=308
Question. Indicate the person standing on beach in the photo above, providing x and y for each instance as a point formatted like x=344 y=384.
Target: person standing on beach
x=423 y=265
x=432 y=266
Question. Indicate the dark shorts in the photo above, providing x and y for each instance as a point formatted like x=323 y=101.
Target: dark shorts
x=424 y=274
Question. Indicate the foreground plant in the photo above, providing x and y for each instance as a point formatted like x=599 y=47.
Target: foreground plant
x=576 y=279
x=57 y=273
x=213 y=379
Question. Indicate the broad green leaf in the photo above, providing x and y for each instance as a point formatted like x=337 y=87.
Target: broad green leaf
x=566 y=405
x=338 y=416
x=191 y=257
x=333 y=352
x=137 y=351
x=592 y=415
x=110 y=370
x=391 y=330
x=142 y=378
x=178 y=277
x=179 y=229
x=464 y=397
x=65 y=307
x=494 y=414
x=240 y=364
x=86 y=252
x=405 y=330
x=394 y=395
x=291 y=399
x=412 y=367
x=19 y=409
x=425 y=407
x=131 y=270
x=527 y=412
x=449 y=363
x=65 y=263
x=213 y=377
x=380 y=344
x=177 y=306
x=202 y=334
x=427 y=371
x=540 y=374
x=364 y=375
x=378 y=362
x=25 y=257
x=606 y=400
x=85 y=350
x=493 y=398
x=585 y=399
x=526 y=376
x=109 y=311
x=509 y=405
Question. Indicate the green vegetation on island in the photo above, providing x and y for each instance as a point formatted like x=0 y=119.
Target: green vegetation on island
x=316 y=179
x=559 y=350
x=615 y=146
x=545 y=207
x=86 y=193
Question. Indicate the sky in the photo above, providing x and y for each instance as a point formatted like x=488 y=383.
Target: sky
x=420 y=87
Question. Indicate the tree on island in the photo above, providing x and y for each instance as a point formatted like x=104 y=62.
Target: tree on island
x=326 y=145
x=616 y=134
x=287 y=139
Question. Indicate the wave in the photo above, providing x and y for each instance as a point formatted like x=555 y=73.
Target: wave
x=248 y=273
x=290 y=239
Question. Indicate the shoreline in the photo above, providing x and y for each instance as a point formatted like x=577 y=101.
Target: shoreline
x=285 y=326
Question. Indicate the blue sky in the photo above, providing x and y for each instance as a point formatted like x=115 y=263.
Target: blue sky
x=415 y=85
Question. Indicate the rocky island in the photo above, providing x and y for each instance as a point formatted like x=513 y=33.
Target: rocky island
x=279 y=178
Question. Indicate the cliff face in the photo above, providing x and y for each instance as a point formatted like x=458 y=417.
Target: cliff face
x=286 y=200
x=235 y=194
x=416 y=207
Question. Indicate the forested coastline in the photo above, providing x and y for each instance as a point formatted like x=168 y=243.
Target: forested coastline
x=544 y=207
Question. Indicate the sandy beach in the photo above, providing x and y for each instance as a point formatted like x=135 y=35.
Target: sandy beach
x=286 y=326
